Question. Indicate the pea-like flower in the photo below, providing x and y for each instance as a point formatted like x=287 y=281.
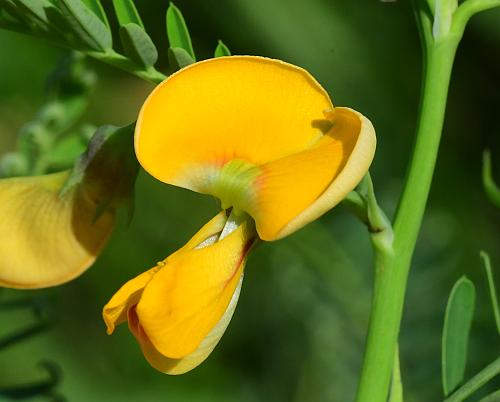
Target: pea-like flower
x=48 y=238
x=53 y=226
x=264 y=138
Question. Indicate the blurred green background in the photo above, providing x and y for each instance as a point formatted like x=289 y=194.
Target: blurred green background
x=299 y=328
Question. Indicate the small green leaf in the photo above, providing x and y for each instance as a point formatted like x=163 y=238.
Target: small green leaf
x=457 y=324
x=127 y=13
x=138 y=45
x=491 y=286
x=96 y=7
x=490 y=187
x=10 y=23
x=221 y=50
x=177 y=32
x=179 y=58
x=34 y=9
x=64 y=27
x=10 y=9
x=87 y=26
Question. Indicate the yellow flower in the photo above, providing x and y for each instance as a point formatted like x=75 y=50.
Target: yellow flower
x=264 y=138
x=179 y=309
x=48 y=238
x=52 y=227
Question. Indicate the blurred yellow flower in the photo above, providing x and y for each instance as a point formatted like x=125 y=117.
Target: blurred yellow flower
x=48 y=238
x=263 y=137
x=53 y=226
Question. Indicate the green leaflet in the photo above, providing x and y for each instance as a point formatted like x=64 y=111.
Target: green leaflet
x=13 y=11
x=96 y=7
x=138 y=45
x=86 y=25
x=179 y=58
x=34 y=9
x=457 y=324
x=126 y=12
x=177 y=32
x=221 y=50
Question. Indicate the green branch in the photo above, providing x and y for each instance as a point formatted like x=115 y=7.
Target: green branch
x=468 y=9
x=440 y=39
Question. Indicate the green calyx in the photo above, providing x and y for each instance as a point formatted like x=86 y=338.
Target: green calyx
x=106 y=172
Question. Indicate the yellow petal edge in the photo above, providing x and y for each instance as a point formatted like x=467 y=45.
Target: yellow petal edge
x=348 y=178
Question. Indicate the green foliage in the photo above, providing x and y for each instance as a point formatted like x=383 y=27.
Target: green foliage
x=179 y=58
x=109 y=167
x=43 y=320
x=96 y=7
x=221 y=50
x=362 y=202
x=491 y=287
x=490 y=187
x=457 y=324
x=177 y=32
x=127 y=13
x=53 y=139
x=396 y=392
x=138 y=45
x=44 y=387
x=476 y=382
x=86 y=25
x=494 y=397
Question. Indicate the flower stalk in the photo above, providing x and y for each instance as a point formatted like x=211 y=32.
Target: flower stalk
x=392 y=264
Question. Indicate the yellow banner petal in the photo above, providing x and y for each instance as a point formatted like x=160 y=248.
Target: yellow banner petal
x=260 y=134
x=240 y=107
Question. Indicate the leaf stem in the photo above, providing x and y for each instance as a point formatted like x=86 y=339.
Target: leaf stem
x=124 y=63
x=469 y=8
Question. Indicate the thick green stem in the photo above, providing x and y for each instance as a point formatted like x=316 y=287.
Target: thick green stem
x=392 y=266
